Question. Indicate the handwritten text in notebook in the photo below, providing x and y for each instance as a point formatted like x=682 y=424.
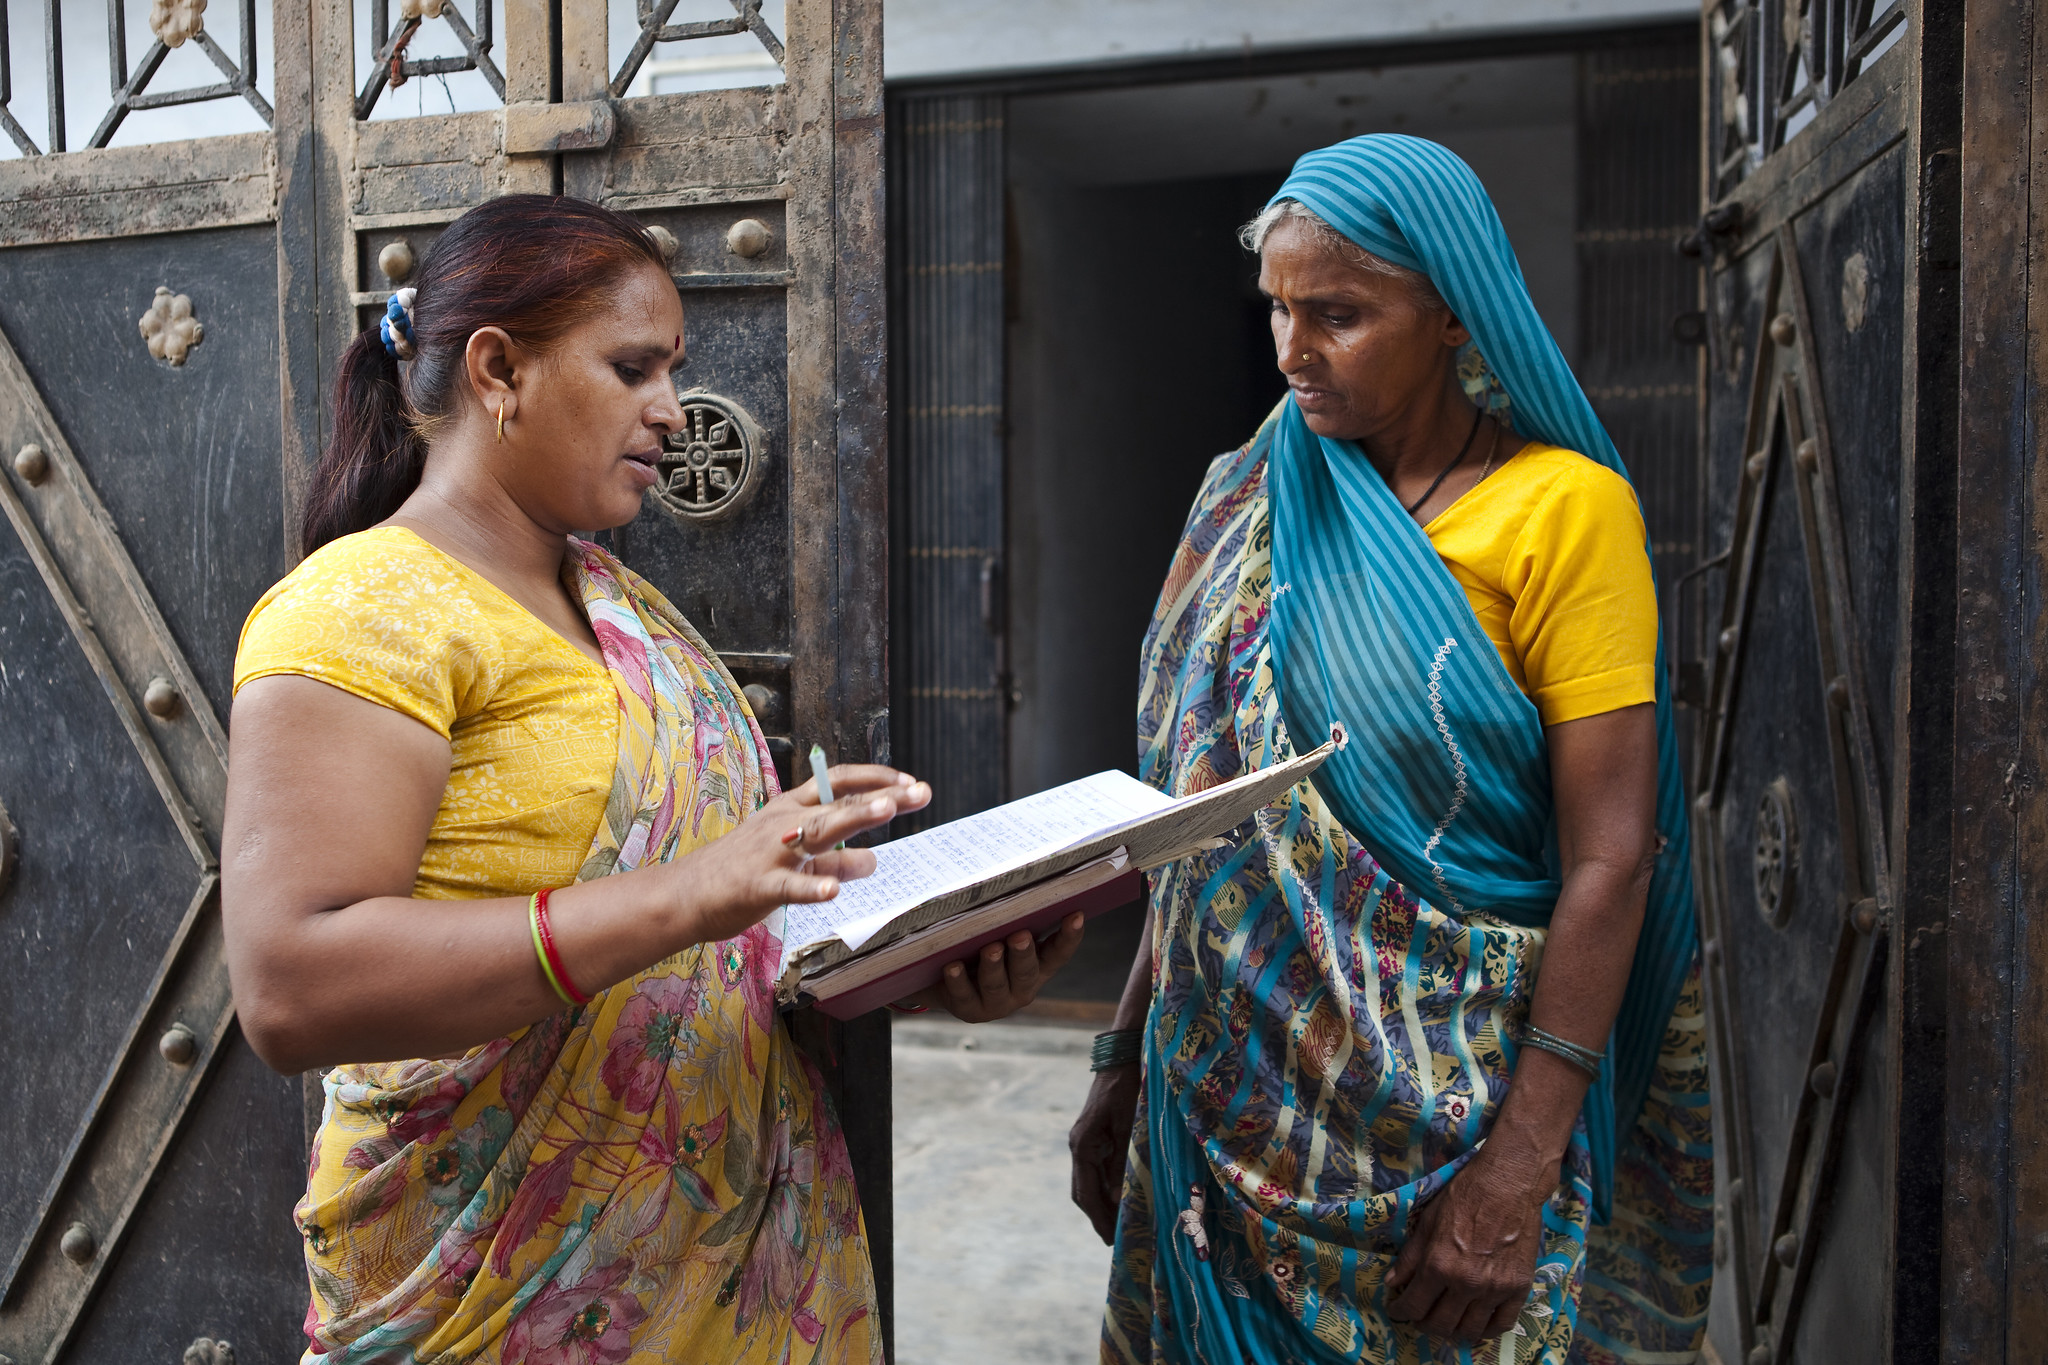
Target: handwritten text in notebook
x=947 y=857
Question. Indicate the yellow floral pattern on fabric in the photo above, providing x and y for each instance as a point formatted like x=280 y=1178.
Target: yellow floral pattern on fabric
x=531 y=722
x=652 y=1178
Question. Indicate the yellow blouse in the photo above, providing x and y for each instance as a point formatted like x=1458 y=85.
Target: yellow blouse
x=532 y=721
x=1549 y=550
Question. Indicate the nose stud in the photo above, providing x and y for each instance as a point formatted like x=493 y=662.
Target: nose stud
x=1306 y=356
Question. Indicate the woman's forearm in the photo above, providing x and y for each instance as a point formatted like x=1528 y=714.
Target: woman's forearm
x=1579 y=987
x=1136 y=1002
x=392 y=977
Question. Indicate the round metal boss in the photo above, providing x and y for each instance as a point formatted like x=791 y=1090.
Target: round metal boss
x=1777 y=853
x=711 y=465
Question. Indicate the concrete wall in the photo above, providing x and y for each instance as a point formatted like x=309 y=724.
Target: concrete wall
x=927 y=38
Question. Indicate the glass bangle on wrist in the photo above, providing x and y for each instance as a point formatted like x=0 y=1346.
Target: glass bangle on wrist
x=1583 y=1058
x=544 y=948
x=1116 y=1048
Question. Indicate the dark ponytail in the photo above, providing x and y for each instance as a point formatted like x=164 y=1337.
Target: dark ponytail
x=533 y=264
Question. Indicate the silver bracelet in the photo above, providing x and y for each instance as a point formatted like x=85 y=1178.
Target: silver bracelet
x=1584 y=1058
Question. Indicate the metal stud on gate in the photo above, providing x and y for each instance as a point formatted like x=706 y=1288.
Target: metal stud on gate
x=766 y=704
x=207 y=1351
x=664 y=239
x=396 y=261
x=1783 y=329
x=32 y=462
x=179 y=1045
x=1822 y=1081
x=749 y=237
x=161 y=698
x=78 y=1244
x=1786 y=1249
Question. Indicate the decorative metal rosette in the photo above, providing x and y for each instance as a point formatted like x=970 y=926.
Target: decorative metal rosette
x=711 y=466
x=1777 y=853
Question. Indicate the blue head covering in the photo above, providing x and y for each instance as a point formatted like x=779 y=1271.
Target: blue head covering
x=1450 y=787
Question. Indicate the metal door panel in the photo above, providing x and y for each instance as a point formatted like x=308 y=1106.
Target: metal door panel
x=1802 y=502
x=169 y=506
x=1864 y=219
x=185 y=458
x=730 y=577
x=213 y=1252
x=1838 y=1321
x=1778 y=974
x=102 y=877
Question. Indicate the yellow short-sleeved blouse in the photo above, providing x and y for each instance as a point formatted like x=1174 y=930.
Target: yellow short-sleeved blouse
x=531 y=720
x=1549 y=550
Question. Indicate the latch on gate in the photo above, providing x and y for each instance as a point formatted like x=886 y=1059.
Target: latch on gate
x=538 y=129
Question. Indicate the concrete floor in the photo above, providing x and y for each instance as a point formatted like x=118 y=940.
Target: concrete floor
x=994 y=1264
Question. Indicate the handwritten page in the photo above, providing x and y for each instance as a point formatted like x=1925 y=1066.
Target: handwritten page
x=946 y=857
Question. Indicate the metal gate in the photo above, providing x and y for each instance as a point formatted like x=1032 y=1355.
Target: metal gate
x=169 y=316
x=1822 y=235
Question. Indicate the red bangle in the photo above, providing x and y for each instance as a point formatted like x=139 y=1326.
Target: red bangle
x=547 y=945
x=900 y=1008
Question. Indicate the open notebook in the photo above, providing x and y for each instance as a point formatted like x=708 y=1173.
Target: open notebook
x=939 y=894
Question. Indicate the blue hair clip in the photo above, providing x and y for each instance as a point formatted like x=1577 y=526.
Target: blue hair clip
x=396 y=326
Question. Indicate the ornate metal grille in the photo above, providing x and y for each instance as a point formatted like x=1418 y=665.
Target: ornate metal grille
x=172 y=25
x=1777 y=63
x=391 y=68
x=656 y=28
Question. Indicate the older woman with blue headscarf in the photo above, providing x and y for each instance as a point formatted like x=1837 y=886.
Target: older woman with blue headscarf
x=1419 y=1071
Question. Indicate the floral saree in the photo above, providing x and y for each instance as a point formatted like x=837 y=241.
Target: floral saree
x=1326 y=1049
x=654 y=1177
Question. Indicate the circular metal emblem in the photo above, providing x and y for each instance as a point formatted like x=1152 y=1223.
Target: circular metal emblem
x=1777 y=853
x=711 y=465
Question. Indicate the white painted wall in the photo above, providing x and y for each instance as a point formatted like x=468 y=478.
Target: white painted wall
x=926 y=38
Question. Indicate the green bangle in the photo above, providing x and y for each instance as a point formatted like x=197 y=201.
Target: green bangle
x=1117 y=1048
x=547 y=969
x=1584 y=1058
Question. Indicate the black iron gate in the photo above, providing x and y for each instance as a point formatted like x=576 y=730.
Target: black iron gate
x=1822 y=226
x=168 y=317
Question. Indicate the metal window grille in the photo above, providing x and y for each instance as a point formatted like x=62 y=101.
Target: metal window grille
x=1777 y=63
x=656 y=28
x=391 y=67
x=130 y=88
x=946 y=411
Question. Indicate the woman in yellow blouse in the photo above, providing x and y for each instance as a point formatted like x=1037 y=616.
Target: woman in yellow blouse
x=503 y=840
x=1412 y=1069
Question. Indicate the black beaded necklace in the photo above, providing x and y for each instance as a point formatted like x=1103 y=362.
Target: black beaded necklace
x=1463 y=451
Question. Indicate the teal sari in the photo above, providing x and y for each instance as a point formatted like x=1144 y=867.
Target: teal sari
x=1339 y=993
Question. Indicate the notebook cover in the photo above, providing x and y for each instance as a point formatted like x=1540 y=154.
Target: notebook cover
x=915 y=976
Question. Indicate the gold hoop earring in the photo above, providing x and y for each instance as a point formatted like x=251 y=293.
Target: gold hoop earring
x=501 y=424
